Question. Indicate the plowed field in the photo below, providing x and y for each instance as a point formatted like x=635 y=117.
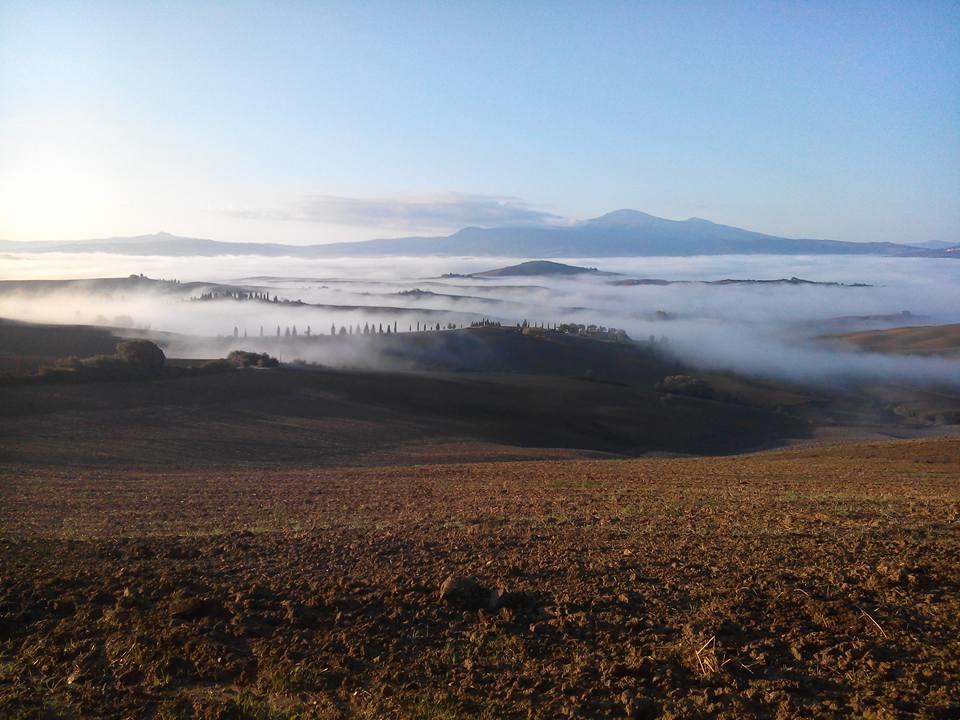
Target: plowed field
x=820 y=582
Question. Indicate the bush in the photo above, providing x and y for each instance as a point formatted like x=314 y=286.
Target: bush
x=70 y=363
x=142 y=355
x=135 y=359
x=214 y=367
x=686 y=385
x=242 y=358
x=57 y=373
x=103 y=362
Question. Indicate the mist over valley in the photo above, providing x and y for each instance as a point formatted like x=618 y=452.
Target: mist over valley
x=712 y=310
x=468 y=361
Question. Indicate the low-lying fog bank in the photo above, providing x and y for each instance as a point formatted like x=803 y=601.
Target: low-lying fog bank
x=766 y=330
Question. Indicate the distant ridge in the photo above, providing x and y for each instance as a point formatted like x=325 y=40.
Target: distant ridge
x=537 y=268
x=736 y=281
x=622 y=233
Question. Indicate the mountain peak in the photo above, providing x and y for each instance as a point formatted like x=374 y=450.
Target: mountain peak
x=626 y=218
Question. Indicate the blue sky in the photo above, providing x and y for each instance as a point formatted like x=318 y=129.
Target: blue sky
x=319 y=122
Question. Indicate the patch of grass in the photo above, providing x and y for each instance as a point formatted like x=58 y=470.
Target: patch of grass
x=16 y=710
x=251 y=707
x=434 y=708
x=245 y=705
x=572 y=483
x=503 y=650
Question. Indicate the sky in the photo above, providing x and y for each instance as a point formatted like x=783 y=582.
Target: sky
x=323 y=122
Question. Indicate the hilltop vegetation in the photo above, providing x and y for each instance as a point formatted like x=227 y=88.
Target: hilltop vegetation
x=536 y=268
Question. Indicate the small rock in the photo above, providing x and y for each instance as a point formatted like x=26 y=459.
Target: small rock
x=640 y=708
x=193 y=608
x=541 y=628
x=516 y=600
x=466 y=592
x=128 y=599
x=131 y=676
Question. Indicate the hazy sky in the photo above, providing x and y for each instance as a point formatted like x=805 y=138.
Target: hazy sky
x=318 y=122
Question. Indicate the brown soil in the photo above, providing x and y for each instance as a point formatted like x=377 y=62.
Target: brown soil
x=819 y=582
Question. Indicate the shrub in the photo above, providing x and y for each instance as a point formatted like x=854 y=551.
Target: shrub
x=243 y=358
x=134 y=359
x=686 y=385
x=213 y=367
x=142 y=355
x=98 y=367
x=70 y=363
x=103 y=362
x=56 y=373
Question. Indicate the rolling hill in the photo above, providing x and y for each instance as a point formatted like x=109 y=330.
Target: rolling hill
x=921 y=340
x=533 y=268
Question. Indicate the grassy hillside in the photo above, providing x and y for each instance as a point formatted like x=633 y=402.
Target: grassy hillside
x=923 y=340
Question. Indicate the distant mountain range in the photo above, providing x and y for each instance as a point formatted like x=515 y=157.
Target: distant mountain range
x=624 y=233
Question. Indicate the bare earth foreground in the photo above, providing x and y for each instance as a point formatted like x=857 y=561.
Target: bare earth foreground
x=815 y=582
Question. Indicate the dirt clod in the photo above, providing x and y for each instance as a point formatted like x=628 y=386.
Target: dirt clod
x=467 y=593
x=194 y=608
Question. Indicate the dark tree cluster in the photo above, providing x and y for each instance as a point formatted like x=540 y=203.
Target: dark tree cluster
x=367 y=329
x=594 y=331
x=134 y=359
x=600 y=332
x=686 y=385
x=243 y=358
x=230 y=294
x=141 y=276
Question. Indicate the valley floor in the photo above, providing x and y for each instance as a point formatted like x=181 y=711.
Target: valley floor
x=812 y=582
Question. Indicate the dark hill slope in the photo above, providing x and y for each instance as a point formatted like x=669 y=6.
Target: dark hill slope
x=339 y=417
x=54 y=341
x=500 y=350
